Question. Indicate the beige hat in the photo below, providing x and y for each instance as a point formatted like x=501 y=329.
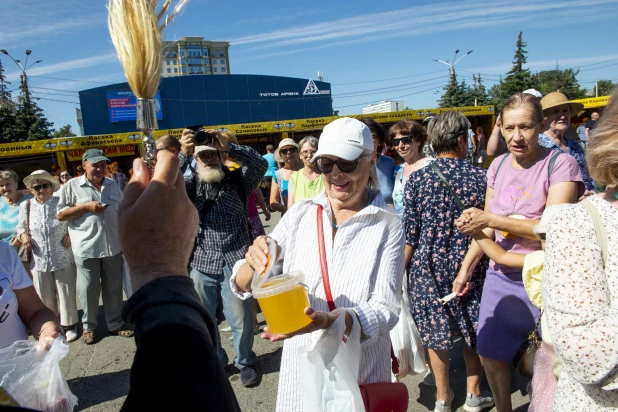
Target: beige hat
x=285 y=142
x=557 y=99
x=41 y=175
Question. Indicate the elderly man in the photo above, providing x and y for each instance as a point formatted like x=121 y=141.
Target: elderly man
x=90 y=204
x=223 y=235
x=591 y=124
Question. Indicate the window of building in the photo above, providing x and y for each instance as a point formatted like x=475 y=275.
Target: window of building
x=183 y=61
x=173 y=54
x=205 y=52
x=208 y=69
x=215 y=69
x=223 y=69
x=169 y=70
x=183 y=69
x=206 y=61
x=222 y=61
x=174 y=62
x=221 y=54
x=168 y=62
x=214 y=61
x=182 y=52
x=175 y=69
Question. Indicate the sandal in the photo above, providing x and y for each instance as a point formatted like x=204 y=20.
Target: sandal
x=88 y=337
x=123 y=332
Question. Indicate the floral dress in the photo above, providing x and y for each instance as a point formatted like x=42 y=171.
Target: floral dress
x=429 y=216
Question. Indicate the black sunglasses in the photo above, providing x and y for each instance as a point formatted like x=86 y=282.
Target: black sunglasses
x=325 y=165
x=286 y=151
x=36 y=188
x=402 y=139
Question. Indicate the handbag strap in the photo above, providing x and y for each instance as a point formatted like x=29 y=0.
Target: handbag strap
x=441 y=176
x=599 y=228
x=326 y=283
x=28 y=217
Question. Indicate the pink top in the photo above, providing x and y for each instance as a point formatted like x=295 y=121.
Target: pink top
x=523 y=192
x=252 y=209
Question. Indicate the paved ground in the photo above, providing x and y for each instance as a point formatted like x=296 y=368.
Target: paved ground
x=99 y=374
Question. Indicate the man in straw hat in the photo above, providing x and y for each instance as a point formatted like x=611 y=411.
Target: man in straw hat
x=90 y=204
x=223 y=234
x=558 y=110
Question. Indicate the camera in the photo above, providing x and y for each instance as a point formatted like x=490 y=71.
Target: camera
x=202 y=137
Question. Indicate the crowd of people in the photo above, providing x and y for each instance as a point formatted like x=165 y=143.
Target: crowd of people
x=489 y=257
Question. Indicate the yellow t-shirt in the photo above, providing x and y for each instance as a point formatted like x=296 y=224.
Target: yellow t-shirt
x=305 y=188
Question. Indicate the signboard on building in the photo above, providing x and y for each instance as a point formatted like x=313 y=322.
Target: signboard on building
x=121 y=105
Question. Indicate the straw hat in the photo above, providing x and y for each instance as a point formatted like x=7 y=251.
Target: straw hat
x=285 y=142
x=41 y=175
x=556 y=99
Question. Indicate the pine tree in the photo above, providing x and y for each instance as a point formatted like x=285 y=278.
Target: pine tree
x=455 y=94
x=517 y=79
x=64 y=131
x=30 y=122
x=479 y=91
x=7 y=109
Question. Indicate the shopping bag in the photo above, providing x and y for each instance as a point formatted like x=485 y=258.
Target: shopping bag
x=406 y=341
x=328 y=370
x=32 y=376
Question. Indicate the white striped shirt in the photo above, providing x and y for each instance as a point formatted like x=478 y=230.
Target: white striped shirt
x=365 y=265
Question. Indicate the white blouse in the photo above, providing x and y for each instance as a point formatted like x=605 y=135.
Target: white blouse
x=581 y=302
x=365 y=266
x=47 y=233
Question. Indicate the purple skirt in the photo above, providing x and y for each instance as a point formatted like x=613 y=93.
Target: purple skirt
x=506 y=316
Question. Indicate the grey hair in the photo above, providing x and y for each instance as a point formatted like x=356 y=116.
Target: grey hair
x=312 y=140
x=9 y=174
x=445 y=131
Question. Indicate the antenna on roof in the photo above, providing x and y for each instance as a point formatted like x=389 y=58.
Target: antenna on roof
x=320 y=76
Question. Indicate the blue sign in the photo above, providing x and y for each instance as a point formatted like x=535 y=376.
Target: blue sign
x=121 y=106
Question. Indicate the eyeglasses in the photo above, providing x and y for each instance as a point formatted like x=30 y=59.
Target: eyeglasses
x=309 y=153
x=36 y=188
x=63 y=176
x=286 y=151
x=402 y=139
x=325 y=165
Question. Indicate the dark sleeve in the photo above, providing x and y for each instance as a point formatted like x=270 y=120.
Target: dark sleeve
x=176 y=365
x=185 y=161
x=254 y=166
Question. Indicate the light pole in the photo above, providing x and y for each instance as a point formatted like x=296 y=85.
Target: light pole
x=24 y=75
x=455 y=61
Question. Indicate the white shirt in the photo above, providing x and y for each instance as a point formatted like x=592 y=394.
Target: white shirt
x=13 y=276
x=365 y=265
x=581 y=304
x=47 y=233
x=93 y=235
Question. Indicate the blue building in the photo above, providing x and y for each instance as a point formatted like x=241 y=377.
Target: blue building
x=208 y=100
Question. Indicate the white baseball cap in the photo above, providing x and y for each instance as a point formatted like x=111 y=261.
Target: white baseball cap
x=533 y=92
x=345 y=138
x=199 y=149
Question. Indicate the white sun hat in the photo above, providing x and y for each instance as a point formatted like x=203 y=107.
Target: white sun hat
x=345 y=138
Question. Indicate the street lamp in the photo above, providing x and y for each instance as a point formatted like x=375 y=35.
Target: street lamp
x=455 y=60
x=24 y=76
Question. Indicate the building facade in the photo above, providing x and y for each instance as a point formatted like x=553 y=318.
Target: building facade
x=207 y=100
x=194 y=55
x=385 y=106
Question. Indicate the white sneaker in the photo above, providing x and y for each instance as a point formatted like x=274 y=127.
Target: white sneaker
x=444 y=406
x=478 y=403
x=72 y=336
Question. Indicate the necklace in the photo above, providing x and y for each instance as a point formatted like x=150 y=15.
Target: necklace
x=336 y=226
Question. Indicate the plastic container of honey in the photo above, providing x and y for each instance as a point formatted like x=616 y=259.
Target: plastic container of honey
x=283 y=300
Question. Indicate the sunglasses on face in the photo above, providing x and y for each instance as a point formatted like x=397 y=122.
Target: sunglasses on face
x=36 y=188
x=325 y=165
x=402 y=139
x=286 y=151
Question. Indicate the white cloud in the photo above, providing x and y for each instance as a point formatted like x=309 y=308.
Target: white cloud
x=106 y=58
x=16 y=33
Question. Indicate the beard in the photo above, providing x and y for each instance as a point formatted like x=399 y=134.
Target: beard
x=210 y=175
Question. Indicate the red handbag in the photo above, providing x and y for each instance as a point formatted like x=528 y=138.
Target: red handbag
x=377 y=397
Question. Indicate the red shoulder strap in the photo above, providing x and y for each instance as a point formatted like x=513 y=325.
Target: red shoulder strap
x=323 y=264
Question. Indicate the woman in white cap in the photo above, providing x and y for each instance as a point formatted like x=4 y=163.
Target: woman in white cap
x=363 y=245
x=288 y=153
x=53 y=267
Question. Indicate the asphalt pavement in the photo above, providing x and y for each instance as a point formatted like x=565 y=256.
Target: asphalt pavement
x=99 y=374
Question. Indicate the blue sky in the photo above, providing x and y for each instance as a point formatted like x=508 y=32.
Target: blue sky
x=369 y=51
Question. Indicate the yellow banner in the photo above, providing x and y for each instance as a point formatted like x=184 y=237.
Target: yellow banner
x=593 y=102
x=110 y=151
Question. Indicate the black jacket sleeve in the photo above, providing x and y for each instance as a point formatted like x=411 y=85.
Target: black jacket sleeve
x=176 y=365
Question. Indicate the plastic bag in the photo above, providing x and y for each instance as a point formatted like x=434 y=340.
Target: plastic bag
x=406 y=341
x=329 y=370
x=32 y=376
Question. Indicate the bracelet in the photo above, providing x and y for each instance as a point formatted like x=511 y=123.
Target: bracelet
x=57 y=328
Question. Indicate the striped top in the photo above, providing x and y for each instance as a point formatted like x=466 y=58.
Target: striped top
x=365 y=265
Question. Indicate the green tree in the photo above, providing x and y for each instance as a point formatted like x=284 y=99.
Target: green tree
x=479 y=91
x=64 y=131
x=606 y=87
x=565 y=81
x=517 y=79
x=30 y=122
x=7 y=109
x=455 y=94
